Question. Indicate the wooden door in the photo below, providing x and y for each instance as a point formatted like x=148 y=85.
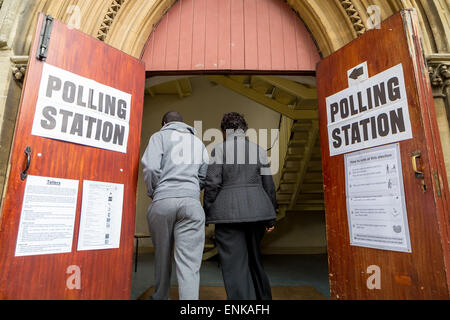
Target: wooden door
x=78 y=274
x=364 y=272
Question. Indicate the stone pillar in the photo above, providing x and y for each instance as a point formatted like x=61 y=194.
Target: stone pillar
x=439 y=69
x=13 y=14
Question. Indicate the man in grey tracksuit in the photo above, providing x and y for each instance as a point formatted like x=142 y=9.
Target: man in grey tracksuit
x=175 y=165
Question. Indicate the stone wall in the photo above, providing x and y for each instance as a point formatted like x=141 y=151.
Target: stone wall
x=12 y=72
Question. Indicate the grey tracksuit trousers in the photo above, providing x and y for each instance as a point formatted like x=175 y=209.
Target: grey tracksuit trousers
x=179 y=224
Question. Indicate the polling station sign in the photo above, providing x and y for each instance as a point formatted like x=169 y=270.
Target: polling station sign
x=370 y=113
x=80 y=110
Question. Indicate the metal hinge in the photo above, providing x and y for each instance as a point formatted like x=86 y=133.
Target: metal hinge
x=44 y=39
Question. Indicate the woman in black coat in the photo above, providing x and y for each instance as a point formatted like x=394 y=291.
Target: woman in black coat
x=240 y=200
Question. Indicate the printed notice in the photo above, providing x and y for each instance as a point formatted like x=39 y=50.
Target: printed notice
x=48 y=216
x=80 y=110
x=370 y=113
x=101 y=215
x=375 y=199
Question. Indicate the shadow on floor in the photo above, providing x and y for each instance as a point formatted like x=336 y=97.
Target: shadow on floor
x=291 y=277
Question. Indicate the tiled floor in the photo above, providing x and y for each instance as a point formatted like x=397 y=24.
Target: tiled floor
x=283 y=270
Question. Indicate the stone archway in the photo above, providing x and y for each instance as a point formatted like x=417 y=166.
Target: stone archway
x=127 y=24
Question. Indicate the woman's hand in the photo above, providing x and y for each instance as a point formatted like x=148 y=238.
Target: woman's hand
x=270 y=229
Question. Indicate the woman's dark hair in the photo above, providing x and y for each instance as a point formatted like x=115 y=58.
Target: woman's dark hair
x=233 y=121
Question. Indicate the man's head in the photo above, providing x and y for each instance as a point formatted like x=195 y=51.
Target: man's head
x=171 y=116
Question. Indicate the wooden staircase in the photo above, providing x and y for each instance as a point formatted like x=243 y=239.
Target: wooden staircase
x=301 y=182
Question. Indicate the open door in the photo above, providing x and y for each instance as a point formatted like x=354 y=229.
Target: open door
x=67 y=222
x=386 y=190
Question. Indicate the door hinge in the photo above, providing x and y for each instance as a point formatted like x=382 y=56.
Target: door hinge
x=437 y=183
x=44 y=39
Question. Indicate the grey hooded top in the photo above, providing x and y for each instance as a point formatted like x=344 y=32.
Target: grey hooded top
x=239 y=185
x=175 y=163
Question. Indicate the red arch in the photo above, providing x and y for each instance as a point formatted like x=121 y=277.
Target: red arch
x=238 y=35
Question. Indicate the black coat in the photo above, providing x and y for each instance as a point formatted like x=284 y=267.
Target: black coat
x=239 y=186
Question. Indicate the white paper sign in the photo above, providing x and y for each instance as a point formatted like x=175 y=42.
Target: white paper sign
x=357 y=74
x=101 y=215
x=376 y=207
x=370 y=113
x=80 y=110
x=48 y=216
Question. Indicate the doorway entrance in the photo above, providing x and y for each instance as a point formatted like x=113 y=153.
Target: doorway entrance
x=257 y=53
x=295 y=253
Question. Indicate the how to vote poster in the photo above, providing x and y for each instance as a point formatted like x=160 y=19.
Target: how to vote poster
x=376 y=207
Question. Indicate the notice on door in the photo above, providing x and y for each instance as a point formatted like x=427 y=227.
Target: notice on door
x=376 y=207
x=101 y=215
x=369 y=113
x=48 y=216
x=79 y=110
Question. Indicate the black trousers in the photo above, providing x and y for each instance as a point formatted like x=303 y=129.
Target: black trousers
x=239 y=246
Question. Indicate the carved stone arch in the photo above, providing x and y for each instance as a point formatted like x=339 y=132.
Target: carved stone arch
x=435 y=18
x=136 y=19
x=332 y=23
x=92 y=16
x=109 y=18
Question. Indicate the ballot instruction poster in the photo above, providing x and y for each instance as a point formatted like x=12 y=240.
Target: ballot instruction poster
x=48 y=216
x=375 y=199
x=101 y=215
